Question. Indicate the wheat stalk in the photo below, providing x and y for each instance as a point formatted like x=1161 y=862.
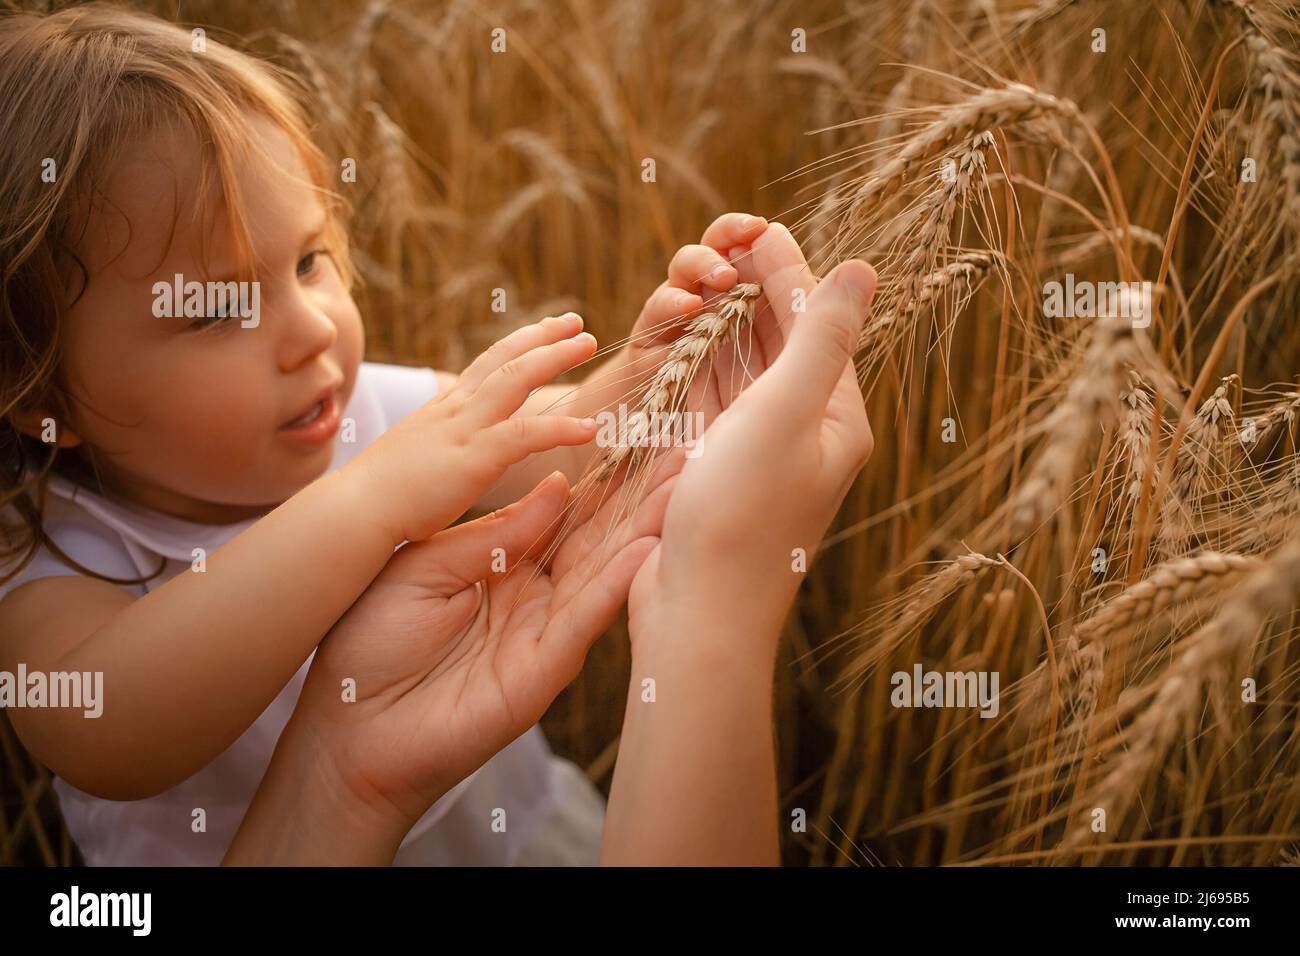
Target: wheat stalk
x=1192 y=462
x=1088 y=404
x=987 y=110
x=1271 y=588
x=919 y=603
x=727 y=316
x=1135 y=434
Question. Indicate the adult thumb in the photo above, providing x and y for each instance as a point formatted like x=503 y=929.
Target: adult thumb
x=824 y=339
x=495 y=543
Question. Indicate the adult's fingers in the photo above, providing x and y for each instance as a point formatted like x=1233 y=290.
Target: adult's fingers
x=550 y=329
x=590 y=546
x=820 y=345
x=692 y=266
x=576 y=623
x=468 y=552
x=787 y=281
x=733 y=229
x=601 y=506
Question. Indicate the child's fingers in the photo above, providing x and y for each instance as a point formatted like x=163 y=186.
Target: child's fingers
x=692 y=266
x=465 y=554
x=514 y=440
x=530 y=337
x=733 y=229
x=506 y=388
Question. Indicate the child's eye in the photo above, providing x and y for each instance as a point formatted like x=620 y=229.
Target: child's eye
x=215 y=318
x=307 y=264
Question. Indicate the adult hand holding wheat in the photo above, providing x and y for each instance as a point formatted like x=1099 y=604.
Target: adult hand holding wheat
x=697 y=273
x=695 y=780
x=776 y=464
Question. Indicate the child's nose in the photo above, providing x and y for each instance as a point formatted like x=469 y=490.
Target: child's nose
x=306 y=329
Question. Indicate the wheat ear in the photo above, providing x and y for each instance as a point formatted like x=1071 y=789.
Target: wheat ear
x=727 y=316
x=1088 y=403
x=1278 y=417
x=1135 y=433
x=1180 y=581
x=987 y=110
x=966 y=270
x=1191 y=464
x=932 y=235
x=1271 y=588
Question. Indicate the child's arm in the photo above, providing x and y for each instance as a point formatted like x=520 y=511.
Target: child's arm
x=696 y=272
x=695 y=779
x=189 y=666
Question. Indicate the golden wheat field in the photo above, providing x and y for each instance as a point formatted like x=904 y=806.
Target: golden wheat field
x=1080 y=367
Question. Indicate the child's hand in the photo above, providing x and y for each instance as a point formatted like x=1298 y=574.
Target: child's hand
x=452 y=660
x=433 y=464
x=696 y=275
x=776 y=463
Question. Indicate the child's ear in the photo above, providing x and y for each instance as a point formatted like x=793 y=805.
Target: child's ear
x=44 y=426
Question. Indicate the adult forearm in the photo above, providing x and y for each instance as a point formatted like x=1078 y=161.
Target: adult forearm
x=695 y=781
x=303 y=816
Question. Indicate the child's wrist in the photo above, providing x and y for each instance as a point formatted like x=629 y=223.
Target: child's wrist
x=364 y=496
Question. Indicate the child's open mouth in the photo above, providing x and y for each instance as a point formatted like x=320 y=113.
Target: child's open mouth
x=316 y=424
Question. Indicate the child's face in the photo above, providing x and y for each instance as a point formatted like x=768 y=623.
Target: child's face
x=185 y=414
